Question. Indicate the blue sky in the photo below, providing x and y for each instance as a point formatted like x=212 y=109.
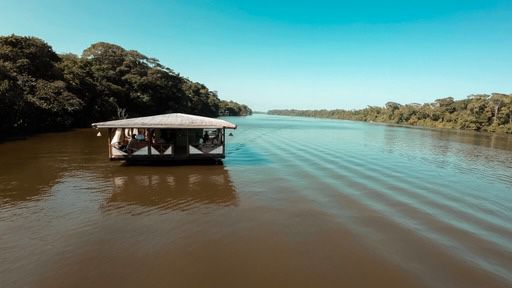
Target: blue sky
x=296 y=54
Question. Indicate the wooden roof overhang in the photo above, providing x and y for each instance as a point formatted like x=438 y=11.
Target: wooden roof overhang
x=173 y=120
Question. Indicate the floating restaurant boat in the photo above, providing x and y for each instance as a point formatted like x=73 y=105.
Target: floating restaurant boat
x=172 y=136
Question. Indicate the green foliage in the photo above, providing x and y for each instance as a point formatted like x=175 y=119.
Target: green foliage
x=51 y=105
x=11 y=97
x=491 y=113
x=233 y=108
x=36 y=97
x=41 y=91
x=29 y=56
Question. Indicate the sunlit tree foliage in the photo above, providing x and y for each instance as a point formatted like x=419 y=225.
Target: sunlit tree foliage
x=43 y=91
x=491 y=113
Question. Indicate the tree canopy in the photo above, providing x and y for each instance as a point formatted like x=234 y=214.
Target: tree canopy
x=43 y=91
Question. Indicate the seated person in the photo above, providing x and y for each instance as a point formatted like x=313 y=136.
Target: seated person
x=134 y=143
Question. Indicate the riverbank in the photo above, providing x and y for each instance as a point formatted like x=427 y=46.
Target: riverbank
x=483 y=131
x=491 y=113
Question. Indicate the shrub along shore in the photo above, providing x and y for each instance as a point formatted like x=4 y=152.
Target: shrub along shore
x=482 y=112
x=41 y=90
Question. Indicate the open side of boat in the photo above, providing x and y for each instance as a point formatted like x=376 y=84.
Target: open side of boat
x=166 y=137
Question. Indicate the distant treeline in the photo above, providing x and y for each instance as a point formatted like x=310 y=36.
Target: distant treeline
x=483 y=112
x=43 y=91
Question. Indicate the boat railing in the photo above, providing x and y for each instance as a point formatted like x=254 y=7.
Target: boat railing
x=142 y=148
x=206 y=148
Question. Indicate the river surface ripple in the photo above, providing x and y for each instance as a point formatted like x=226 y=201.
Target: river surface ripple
x=299 y=202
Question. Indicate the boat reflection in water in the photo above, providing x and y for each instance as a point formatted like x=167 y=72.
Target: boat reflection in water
x=170 y=188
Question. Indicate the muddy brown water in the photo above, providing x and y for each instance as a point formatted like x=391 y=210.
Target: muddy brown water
x=298 y=203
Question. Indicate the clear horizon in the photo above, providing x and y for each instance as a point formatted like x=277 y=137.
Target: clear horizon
x=310 y=55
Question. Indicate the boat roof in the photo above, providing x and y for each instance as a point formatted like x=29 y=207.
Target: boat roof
x=172 y=120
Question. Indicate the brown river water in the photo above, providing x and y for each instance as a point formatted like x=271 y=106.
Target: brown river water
x=298 y=202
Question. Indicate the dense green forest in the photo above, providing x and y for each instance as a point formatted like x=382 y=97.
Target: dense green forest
x=41 y=90
x=483 y=112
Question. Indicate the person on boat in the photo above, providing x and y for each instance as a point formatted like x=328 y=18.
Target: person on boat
x=158 y=137
x=132 y=144
x=216 y=139
x=206 y=137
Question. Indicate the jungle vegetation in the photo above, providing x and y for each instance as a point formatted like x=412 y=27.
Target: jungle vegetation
x=41 y=90
x=482 y=112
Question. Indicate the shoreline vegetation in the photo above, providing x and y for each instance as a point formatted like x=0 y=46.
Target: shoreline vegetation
x=481 y=112
x=42 y=91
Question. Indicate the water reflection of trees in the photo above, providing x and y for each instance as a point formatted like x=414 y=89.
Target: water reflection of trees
x=31 y=167
x=171 y=188
x=489 y=153
x=443 y=141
